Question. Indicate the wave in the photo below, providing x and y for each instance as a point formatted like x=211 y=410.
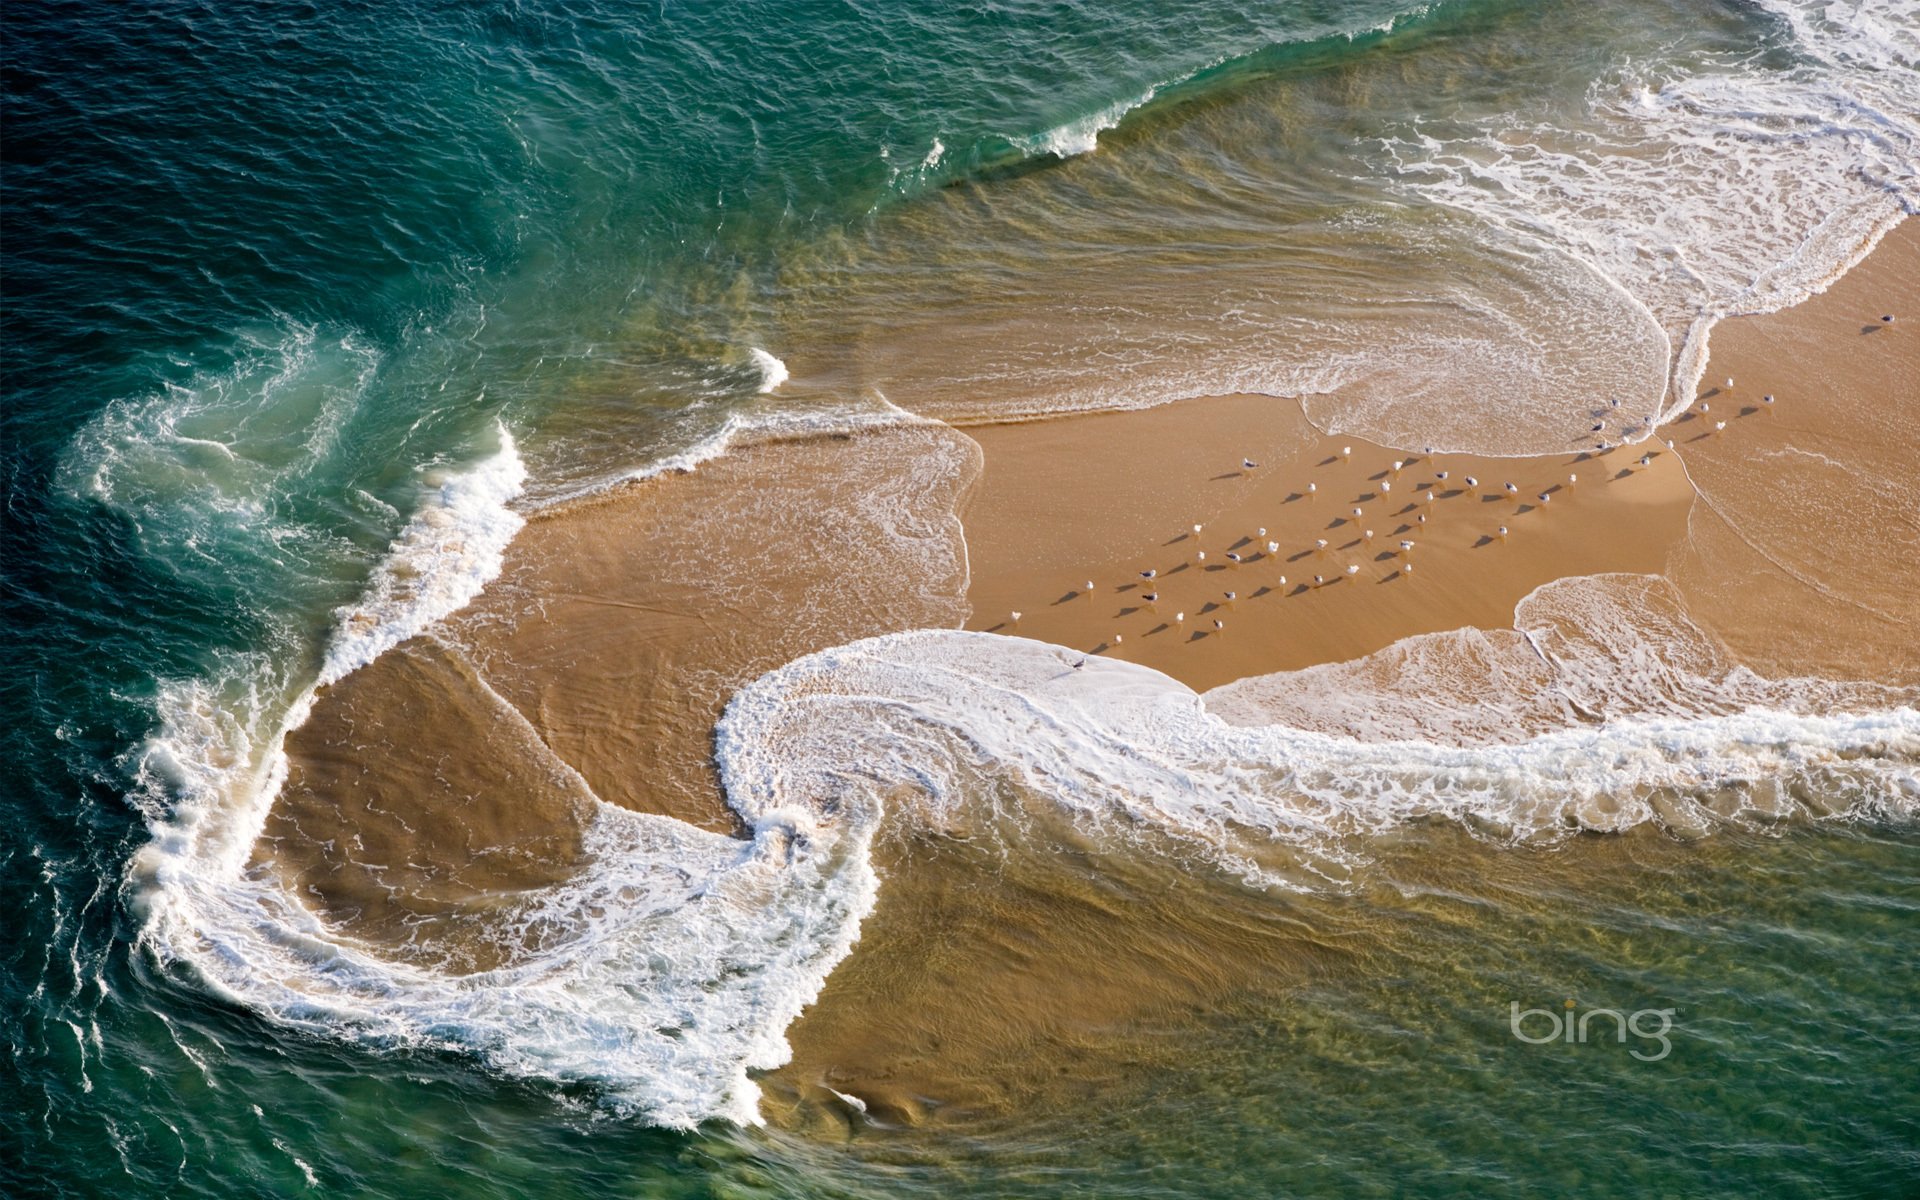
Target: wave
x=1082 y=135
x=744 y=426
x=994 y=155
x=773 y=372
x=225 y=443
x=1710 y=189
x=449 y=551
x=671 y=966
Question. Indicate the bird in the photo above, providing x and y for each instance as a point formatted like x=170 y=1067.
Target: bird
x=1888 y=318
x=1705 y=407
x=1406 y=545
x=1248 y=463
x=1442 y=475
x=1510 y=489
x=1614 y=403
x=1407 y=567
x=1572 y=479
x=1180 y=618
x=1346 y=451
x=1472 y=482
x=1386 y=485
x=1200 y=556
x=1398 y=463
x=1261 y=532
x=1503 y=531
x=1117 y=639
x=1546 y=497
x=1232 y=596
x=1422 y=518
x=1646 y=460
x=1767 y=399
x=1368 y=535
x=1319 y=543
x=1729 y=381
x=1357 y=514
x=1234 y=558
x=1078 y=665
x=1218 y=624
x=1015 y=615
x=1312 y=488
x=1151 y=597
x=1318 y=580
x=1273 y=547
x=1283 y=581
x=1148 y=574
x=1352 y=569
x=1088 y=585
x=1197 y=529
x=1719 y=425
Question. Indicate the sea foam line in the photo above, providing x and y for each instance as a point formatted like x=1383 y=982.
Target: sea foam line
x=672 y=967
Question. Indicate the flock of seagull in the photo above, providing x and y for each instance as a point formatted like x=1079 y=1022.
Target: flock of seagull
x=1421 y=498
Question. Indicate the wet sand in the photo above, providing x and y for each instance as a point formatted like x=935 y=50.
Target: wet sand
x=454 y=773
x=1803 y=550
x=451 y=773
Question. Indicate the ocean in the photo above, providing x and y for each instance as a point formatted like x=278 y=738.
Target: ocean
x=314 y=314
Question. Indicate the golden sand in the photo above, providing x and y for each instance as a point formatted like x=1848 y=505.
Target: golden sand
x=1803 y=548
x=1095 y=499
x=456 y=770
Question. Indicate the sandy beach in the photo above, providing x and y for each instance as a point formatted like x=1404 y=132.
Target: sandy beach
x=598 y=662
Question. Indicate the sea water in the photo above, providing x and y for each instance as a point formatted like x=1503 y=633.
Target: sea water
x=307 y=308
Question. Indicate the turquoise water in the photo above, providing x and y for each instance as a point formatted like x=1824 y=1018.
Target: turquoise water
x=271 y=276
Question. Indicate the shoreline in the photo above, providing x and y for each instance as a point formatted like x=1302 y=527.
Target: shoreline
x=1150 y=474
x=595 y=665
x=621 y=623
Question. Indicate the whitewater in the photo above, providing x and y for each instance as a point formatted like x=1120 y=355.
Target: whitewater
x=669 y=970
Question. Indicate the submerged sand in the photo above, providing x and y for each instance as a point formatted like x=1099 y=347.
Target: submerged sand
x=458 y=770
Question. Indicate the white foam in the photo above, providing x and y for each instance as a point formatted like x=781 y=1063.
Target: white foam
x=1712 y=190
x=1082 y=135
x=773 y=372
x=218 y=448
x=668 y=968
x=451 y=548
x=672 y=966
x=746 y=426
